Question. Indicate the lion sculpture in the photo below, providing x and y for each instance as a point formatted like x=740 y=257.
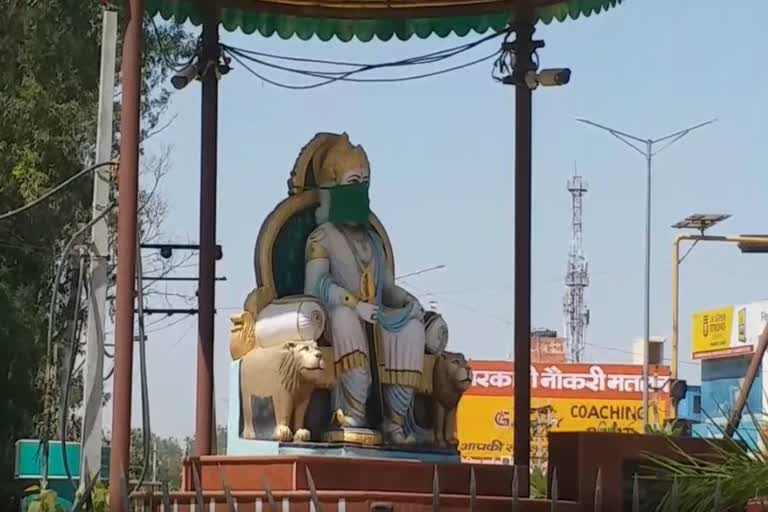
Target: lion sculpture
x=451 y=378
x=280 y=378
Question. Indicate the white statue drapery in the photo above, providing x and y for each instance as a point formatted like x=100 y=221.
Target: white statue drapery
x=345 y=268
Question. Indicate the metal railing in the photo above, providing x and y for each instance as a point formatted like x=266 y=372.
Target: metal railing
x=148 y=501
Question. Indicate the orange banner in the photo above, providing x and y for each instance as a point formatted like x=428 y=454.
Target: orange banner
x=605 y=381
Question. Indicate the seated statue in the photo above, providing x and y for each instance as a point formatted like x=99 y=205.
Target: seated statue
x=325 y=274
x=345 y=269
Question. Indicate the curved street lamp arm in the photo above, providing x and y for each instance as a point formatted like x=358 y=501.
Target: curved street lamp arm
x=623 y=137
x=674 y=137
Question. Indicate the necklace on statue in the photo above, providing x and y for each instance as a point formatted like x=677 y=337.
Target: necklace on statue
x=360 y=245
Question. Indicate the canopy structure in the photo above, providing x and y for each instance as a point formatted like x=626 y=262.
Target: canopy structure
x=325 y=19
x=373 y=19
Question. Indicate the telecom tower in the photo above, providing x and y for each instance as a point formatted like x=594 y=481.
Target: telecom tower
x=575 y=312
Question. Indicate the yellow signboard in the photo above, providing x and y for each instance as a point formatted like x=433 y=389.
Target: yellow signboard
x=485 y=423
x=711 y=330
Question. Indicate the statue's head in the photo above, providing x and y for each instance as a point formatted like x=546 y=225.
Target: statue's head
x=456 y=371
x=300 y=362
x=342 y=173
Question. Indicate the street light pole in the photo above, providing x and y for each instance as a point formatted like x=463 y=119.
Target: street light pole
x=648 y=152
x=647 y=302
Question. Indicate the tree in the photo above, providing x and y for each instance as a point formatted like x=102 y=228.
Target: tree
x=164 y=464
x=221 y=442
x=49 y=52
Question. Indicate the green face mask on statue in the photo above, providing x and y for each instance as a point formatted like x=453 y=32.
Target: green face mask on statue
x=349 y=204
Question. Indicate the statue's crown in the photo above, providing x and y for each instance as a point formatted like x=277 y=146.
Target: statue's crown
x=336 y=157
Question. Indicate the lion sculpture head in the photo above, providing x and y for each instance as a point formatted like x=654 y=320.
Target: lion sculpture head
x=452 y=377
x=301 y=363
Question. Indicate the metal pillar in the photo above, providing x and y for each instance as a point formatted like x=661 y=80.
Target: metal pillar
x=675 y=356
x=93 y=380
x=206 y=291
x=126 y=250
x=524 y=49
x=647 y=301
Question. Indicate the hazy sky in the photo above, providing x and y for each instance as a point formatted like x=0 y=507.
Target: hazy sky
x=442 y=153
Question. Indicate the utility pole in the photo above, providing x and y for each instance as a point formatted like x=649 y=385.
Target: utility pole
x=646 y=148
x=97 y=291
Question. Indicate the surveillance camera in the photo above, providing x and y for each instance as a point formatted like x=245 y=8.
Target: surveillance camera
x=554 y=76
x=166 y=252
x=182 y=79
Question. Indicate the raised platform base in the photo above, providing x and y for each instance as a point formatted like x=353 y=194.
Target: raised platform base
x=429 y=455
x=345 y=485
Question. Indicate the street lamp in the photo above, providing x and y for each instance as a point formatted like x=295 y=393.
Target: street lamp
x=748 y=244
x=648 y=153
x=700 y=222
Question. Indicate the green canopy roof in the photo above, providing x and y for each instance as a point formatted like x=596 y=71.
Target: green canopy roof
x=369 y=19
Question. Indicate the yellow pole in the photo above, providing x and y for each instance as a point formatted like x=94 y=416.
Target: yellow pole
x=675 y=304
x=675 y=356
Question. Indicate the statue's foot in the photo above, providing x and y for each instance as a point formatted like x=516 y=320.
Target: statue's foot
x=302 y=436
x=283 y=433
x=395 y=434
x=343 y=421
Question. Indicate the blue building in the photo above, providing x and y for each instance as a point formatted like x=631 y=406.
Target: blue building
x=725 y=339
x=721 y=381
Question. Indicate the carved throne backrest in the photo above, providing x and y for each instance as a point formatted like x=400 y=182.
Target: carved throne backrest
x=279 y=253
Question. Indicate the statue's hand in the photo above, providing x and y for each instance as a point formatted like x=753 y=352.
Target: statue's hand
x=367 y=312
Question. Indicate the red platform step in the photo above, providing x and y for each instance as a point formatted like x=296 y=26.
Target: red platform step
x=343 y=485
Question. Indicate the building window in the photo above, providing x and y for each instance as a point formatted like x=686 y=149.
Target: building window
x=697 y=404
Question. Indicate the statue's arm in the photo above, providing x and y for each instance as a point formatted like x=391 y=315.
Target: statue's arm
x=396 y=297
x=318 y=283
x=317 y=277
x=393 y=295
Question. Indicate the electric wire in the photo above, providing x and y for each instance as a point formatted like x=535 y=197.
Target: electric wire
x=423 y=59
x=51 y=321
x=474 y=310
x=186 y=316
x=420 y=59
x=69 y=374
x=146 y=428
x=346 y=77
x=240 y=55
x=58 y=188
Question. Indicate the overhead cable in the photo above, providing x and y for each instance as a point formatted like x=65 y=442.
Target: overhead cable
x=420 y=59
x=146 y=428
x=329 y=76
x=51 y=321
x=347 y=77
x=58 y=188
x=69 y=374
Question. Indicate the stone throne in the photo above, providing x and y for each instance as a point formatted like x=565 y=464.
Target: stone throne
x=278 y=312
